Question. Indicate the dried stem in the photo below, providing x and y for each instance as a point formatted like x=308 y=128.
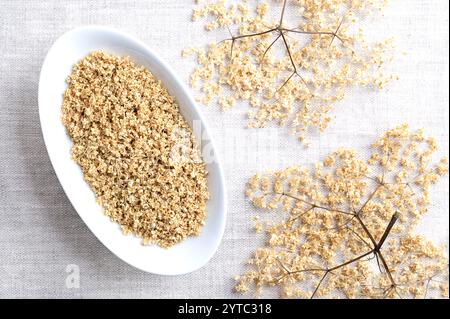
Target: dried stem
x=375 y=246
x=281 y=31
x=315 y=205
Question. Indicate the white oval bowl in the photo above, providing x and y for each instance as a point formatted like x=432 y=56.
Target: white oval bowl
x=70 y=48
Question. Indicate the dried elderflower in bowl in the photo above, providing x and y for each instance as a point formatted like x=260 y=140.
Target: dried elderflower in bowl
x=147 y=161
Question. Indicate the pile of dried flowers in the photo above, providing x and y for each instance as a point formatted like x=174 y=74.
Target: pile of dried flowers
x=122 y=122
x=323 y=54
x=349 y=225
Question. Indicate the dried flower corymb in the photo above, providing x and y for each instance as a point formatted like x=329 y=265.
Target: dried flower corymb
x=348 y=229
x=290 y=72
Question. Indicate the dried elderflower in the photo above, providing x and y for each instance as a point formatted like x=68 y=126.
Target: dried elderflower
x=122 y=123
x=290 y=72
x=349 y=225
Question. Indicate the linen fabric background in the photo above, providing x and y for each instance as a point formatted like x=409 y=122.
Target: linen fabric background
x=41 y=235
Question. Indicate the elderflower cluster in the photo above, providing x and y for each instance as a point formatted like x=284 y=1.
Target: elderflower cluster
x=293 y=75
x=348 y=227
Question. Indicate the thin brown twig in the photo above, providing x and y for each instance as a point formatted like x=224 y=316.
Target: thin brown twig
x=335 y=32
x=359 y=236
x=368 y=199
x=281 y=30
x=315 y=205
x=292 y=219
x=376 y=250
x=268 y=48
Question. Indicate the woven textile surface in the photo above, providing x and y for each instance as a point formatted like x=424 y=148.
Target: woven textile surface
x=41 y=235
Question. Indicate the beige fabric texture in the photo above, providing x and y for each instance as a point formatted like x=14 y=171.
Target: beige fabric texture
x=41 y=235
